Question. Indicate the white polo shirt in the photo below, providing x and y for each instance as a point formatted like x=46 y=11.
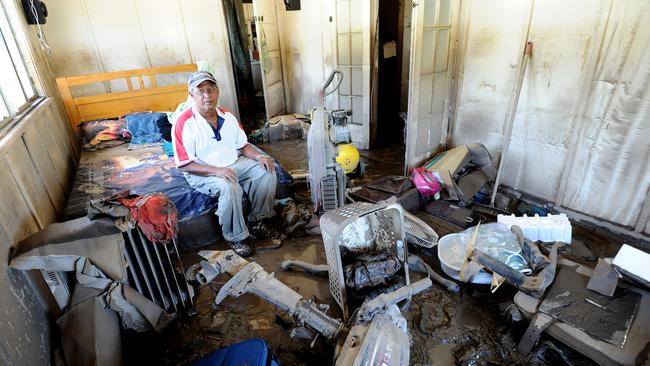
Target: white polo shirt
x=194 y=139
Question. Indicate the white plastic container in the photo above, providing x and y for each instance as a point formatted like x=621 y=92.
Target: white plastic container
x=493 y=239
x=449 y=252
x=548 y=228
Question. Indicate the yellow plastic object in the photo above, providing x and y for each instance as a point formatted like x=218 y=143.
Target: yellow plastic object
x=348 y=157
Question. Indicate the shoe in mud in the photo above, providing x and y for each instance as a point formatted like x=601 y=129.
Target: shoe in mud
x=240 y=247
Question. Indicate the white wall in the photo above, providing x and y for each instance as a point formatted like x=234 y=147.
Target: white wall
x=308 y=40
x=304 y=42
x=88 y=36
x=580 y=135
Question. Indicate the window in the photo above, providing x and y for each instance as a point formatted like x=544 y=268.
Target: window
x=16 y=89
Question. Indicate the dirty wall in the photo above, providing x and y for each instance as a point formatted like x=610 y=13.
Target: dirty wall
x=312 y=39
x=37 y=156
x=89 y=36
x=303 y=53
x=580 y=136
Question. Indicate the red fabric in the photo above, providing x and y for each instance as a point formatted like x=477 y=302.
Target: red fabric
x=178 y=136
x=155 y=214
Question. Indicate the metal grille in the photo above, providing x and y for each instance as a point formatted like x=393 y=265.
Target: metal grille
x=151 y=270
x=328 y=192
x=387 y=226
x=336 y=279
x=331 y=223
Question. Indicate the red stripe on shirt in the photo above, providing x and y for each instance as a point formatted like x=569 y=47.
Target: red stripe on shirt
x=178 y=136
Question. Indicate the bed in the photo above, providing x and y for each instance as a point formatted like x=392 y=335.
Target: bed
x=103 y=172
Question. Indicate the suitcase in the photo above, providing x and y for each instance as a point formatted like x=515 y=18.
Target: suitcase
x=253 y=352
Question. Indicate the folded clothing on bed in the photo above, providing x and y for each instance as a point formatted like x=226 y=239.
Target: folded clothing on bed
x=104 y=133
x=148 y=127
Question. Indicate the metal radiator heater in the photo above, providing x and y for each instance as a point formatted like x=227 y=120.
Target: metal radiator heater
x=152 y=271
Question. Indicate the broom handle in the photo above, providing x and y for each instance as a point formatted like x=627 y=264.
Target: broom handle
x=528 y=52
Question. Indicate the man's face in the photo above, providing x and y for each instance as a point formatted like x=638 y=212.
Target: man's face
x=205 y=96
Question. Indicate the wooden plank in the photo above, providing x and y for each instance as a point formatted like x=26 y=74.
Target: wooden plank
x=94 y=99
x=69 y=104
x=17 y=221
x=44 y=166
x=61 y=132
x=56 y=146
x=105 y=76
x=72 y=139
x=49 y=130
x=152 y=81
x=120 y=107
x=111 y=105
x=30 y=184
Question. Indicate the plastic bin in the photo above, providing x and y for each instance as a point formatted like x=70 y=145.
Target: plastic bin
x=253 y=352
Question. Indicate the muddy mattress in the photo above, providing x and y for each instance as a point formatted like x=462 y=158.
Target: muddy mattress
x=104 y=172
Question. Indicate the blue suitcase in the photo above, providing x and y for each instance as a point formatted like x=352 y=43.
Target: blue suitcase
x=253 y=352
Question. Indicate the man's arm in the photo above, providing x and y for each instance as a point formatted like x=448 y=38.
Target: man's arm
x=265 y=161
x=209 y=170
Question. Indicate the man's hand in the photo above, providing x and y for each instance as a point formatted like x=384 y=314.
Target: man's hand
x=266 y=163
x=226 y=173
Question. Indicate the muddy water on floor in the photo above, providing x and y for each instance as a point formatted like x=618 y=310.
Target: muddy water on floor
x=465 y=328
x=380 y=162
x=445 y=328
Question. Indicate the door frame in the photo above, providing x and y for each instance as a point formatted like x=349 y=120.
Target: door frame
x=369 y=68
x=417 y=20
x=260 y=20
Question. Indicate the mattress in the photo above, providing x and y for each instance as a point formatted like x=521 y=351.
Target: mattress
x=105 y=172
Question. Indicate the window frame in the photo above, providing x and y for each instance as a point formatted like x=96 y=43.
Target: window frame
x=10 y=45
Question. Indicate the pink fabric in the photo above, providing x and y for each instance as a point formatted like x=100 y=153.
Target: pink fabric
x=426 y=183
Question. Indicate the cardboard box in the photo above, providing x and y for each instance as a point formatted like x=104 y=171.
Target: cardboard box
x=448 y=164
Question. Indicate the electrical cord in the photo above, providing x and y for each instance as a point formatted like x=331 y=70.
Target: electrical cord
x=41 y=35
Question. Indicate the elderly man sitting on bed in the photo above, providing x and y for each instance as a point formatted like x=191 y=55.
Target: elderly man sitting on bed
x=208 y=141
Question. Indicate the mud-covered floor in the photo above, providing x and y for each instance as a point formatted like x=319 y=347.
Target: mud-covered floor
x=465 y=328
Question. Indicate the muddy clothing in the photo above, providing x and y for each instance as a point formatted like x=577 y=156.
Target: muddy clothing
x=259 y=186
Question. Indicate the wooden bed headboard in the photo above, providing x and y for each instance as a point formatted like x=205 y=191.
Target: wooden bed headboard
x=111 y=105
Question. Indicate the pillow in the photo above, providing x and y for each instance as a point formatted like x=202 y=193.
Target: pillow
x=148 y=127
x=182 y=107
x=104 y=133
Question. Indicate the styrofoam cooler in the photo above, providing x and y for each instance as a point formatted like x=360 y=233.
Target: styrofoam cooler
x=548 y=228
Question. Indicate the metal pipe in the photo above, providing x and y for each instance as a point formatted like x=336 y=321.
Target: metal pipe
x=180 y=263
x=182 y=294
x=154 y=298
x=129 y=260
x=172 y=294
x=145 y=245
